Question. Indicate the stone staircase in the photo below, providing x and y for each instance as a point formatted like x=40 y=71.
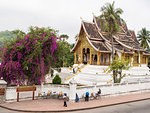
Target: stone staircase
x=137 y=71
x=91 y=74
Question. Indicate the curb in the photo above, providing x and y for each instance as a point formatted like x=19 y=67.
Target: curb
x=80 y=109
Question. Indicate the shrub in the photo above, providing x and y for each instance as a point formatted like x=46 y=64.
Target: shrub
x=59 y=70
x=56 y=80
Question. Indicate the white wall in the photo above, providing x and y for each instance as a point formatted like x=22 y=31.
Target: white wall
x=107 y=90
x=11 y=93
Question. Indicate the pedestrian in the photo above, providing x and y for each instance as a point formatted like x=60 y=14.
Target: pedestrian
x=77 y=98
x=87 y=96
x=65 y=99
x=99 y=93
x=73 y=70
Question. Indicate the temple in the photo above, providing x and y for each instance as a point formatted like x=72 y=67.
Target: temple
x=94 y=46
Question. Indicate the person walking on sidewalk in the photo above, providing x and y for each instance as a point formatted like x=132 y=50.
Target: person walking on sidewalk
x=65 y=100
x=87 y=96
x=99 y=93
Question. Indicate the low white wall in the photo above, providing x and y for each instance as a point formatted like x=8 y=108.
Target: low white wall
x=11 y=93
x=106 y=90
x=115 y=89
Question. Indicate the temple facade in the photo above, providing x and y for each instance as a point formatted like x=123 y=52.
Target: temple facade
x=93 y=45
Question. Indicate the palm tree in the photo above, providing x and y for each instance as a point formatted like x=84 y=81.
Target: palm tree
x=112 y=20
x=111 y=16
x=144 y=38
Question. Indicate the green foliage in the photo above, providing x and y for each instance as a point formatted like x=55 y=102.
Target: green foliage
x=119 y=63
x=117 y=66
x=144 y=38
x=112 y=18
x=6 y=36
x=18 y=33
x=63 y=55
x=56 y=80
x=28 y=56
x=64 y=37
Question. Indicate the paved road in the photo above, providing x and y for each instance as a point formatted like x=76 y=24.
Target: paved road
x=134 y=107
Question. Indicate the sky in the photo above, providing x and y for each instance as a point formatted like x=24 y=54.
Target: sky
x=64 y=15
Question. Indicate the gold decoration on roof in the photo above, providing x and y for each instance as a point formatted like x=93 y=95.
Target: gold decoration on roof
x=81 y=18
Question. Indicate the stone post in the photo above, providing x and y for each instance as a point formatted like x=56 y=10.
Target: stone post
x=72 y=93
x=2 y=91
x=95 y=87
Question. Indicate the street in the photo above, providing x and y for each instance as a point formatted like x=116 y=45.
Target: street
x=134 y=107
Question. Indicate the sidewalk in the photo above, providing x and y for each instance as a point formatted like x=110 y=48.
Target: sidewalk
x=54 y=105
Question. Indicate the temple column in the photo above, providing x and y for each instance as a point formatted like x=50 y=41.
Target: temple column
x=132 y=59
x=98 y=58
x=141 y=57
x=75 y=59
x=90 y=56
x=81 y=53
x=139 y=60
x=109 y=59
x=147 y=61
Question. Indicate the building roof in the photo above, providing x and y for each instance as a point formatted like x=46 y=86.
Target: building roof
x=124 y=41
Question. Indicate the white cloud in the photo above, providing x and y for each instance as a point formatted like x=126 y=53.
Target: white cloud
x=64 y=15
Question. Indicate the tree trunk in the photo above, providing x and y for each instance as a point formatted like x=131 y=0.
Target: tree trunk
x=112 y=43
x=114 y=76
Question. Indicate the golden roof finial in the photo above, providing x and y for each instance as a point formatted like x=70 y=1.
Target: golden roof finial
x=81 y=18
x=93 y=14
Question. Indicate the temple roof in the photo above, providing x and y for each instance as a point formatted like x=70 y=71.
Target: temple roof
x=124 y=41
x=101 y=46
x=92 y=30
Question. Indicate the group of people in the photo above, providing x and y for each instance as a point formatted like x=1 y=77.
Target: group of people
x=98 y=94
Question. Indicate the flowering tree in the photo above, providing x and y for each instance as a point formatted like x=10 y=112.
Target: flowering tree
x=28 y=56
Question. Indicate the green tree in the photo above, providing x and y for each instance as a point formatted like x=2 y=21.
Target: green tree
x=76 y=36
x=112 y=18
x=117 y=66
x=64 y=37
x=6 y=36
x=144 y=38
x=63 y=57
x=18 y=33
x=29 y=56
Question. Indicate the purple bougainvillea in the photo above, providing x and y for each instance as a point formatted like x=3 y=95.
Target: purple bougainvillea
x=28 y=57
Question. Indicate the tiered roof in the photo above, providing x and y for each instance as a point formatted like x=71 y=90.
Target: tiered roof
x=125 y=41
